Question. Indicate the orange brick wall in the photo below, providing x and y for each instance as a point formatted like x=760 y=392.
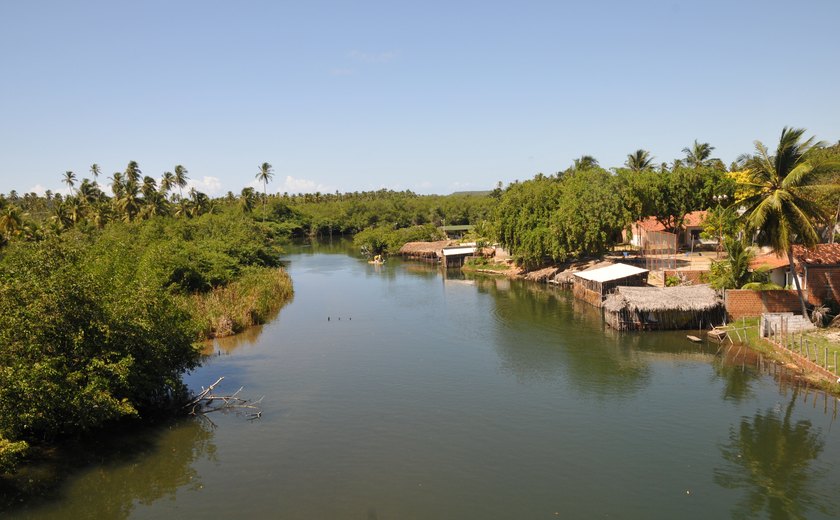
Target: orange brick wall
x=740 y=303
x=823 y=284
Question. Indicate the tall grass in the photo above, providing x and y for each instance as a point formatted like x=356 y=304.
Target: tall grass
x=249 y=300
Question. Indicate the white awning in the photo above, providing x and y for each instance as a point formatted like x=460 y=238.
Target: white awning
x=459 y=250
x=611 y=272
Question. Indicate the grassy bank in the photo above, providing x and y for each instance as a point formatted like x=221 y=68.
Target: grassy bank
x=820 y=346
x=250 y=300
x=484 y=265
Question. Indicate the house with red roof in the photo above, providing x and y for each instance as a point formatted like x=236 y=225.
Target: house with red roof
x=689 y=232
x=818 y=270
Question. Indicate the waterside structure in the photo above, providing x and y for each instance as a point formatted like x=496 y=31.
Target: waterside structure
x=664 y=308
x=593 y=285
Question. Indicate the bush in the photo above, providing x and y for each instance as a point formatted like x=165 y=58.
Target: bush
x=385 y=240
x=81 y=346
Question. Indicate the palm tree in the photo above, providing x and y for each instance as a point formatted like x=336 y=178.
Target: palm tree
x=698 y=155
x=264 y=175
x=781 y=211
x=69 y=179
x=11 y=222
x=639 y=160
x=129 y=203
x=181 y=179
x=585 y=162
x=149 y=188
x=95 y=171
x=117 y=185
x=734 y=271
x=167 y=182
x=132 y=172
x=246 y=200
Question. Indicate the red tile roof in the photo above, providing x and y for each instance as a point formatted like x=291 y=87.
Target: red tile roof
x=693 y=219
x=770 y=260
x=819 y=254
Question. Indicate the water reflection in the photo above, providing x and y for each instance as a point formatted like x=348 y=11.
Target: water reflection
x=771 y=457
x=246 y=338
x=544 y=334
x=738 y=368
x=114 y=475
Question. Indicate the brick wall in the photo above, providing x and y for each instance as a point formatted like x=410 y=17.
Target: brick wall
x=823 y=284
x=740 y=303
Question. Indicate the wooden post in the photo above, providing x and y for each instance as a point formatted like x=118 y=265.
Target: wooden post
x=825 y=359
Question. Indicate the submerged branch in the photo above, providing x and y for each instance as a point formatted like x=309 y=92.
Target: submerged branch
x=207 y=402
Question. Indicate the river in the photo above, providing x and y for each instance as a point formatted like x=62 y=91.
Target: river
x=400 y=392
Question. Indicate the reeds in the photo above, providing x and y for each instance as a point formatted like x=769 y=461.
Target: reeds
x=250 y=300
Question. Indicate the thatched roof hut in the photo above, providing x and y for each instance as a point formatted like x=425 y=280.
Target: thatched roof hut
x=664 y=308
x=428 y=250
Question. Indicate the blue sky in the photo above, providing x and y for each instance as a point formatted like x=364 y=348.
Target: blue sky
x=429 y=96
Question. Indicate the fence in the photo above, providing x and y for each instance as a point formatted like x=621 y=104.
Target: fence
x=785 y=331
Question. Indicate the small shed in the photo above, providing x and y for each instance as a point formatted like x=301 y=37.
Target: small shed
x=663 y=308
x=593 y=285
x=454 y=256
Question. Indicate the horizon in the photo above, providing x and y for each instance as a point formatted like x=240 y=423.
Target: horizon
x=432 y=98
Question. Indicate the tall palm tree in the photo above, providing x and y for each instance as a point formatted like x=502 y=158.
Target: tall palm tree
x=117 y=185
x=95 y=171
x=167 y=182
x=149 y=187
x=69 y=179
x=129 y=203
x=132 y=172
x=585 y=162
x=639 y=160
x=247 y=199
x=264 y=175
x=698 y=154
x=181 y=179
x=781 y=212
x=11 y=222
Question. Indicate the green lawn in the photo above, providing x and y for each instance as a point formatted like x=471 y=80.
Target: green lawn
x=817 y=345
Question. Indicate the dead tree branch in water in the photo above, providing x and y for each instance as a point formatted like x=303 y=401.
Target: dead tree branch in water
x=207 y=402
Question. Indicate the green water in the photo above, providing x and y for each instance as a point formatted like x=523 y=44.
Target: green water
x=433 y=397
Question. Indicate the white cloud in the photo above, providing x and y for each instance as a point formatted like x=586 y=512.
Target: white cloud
x=40 y=190
x=293 y=185
x=208 y=185
x=373 y=57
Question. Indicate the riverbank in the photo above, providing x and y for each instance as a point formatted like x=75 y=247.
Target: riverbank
x=249 y=300
x=813 y=371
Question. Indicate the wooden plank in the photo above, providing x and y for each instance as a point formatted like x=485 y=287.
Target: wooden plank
x=695 y=339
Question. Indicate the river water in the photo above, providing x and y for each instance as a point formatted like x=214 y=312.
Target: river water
x=400 y=392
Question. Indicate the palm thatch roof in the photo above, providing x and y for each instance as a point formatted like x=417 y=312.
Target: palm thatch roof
x=425 y=248
x=652 y=299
